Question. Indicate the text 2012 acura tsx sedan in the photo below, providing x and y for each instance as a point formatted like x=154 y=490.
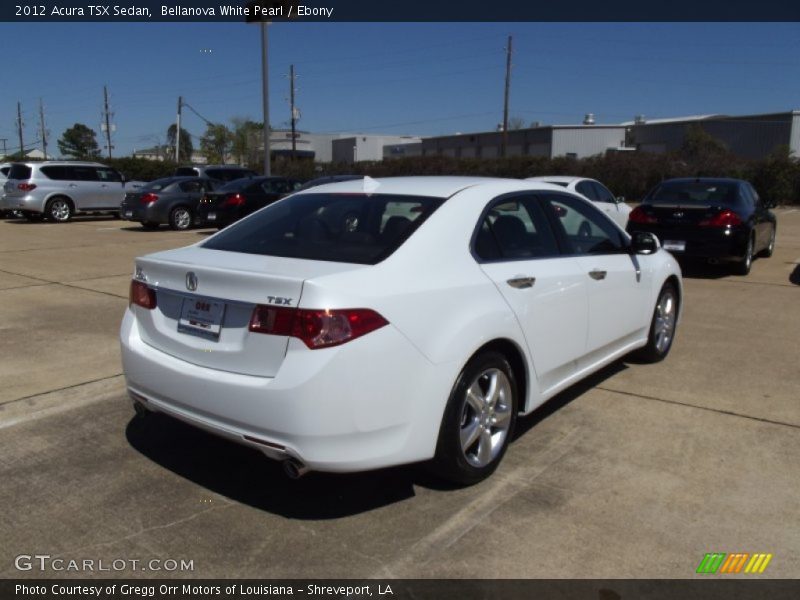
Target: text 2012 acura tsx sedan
x=371 y=323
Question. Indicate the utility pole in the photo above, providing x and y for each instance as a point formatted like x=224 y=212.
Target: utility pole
x=4 y=140
x=178 y=130
x=107 y=116
x=294 y=111
x=19 y=130
x=265 y=94
x=505 y=102
x=44 y=131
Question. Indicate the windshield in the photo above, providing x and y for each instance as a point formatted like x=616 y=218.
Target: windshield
x=351 y=228
x=687 y=193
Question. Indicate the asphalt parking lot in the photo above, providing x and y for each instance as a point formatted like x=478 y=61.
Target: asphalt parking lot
x=638 y=472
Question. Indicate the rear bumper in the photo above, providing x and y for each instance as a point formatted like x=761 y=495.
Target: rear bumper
x=221 y=216
x=703 y=244
x=368 y=404
x=30 y=203
x=141 y=212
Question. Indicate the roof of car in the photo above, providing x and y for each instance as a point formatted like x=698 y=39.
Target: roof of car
x=48 y=163
x=703 y=180
x=432 y=186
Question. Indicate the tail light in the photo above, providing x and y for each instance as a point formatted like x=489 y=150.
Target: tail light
x=725 y=218
x=638 y=215
x=316 y=328
x=26 y=187
x=148 y=198
x=142 y=295
x=233 y=200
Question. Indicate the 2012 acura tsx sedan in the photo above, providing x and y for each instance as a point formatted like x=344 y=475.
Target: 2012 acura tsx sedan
x=371 y=323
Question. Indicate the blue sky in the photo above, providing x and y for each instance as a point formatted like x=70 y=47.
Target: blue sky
x=397 y=78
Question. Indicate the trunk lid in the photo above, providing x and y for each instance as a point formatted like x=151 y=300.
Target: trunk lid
x=208 y=325
x=677 y=216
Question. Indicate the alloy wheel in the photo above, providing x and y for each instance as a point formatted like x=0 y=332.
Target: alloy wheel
x=664 y=325
x=485 y=417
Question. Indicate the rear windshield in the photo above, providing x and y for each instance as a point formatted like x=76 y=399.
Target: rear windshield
x=186 y=172
x=237 y=185
x=687 y=193
x=350 y=228
x=19 y=172
x=158 y=185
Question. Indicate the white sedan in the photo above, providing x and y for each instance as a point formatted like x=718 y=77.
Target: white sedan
x=594 y=191
x=371 y=323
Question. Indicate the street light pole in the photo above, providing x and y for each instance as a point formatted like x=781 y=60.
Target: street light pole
x=265 y=93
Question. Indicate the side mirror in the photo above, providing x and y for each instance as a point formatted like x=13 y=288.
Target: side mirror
x=123 y=178
x=620 y=199
x=643 y=242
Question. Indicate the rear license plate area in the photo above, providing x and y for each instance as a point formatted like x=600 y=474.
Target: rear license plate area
x=201 y=317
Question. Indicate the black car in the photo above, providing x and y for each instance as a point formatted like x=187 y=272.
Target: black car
x=713 y=219
x=172 y=200
x=241 y=197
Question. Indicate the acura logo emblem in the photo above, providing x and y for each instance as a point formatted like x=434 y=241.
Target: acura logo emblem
x=191 y=281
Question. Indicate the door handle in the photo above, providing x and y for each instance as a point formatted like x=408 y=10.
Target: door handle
x=597 y=274
x=521 y=283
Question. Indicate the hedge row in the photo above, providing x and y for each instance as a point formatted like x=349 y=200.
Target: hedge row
x=631 y=175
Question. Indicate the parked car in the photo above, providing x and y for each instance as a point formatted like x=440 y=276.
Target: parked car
x=57 y=190
x=713 y=219
x=328 y=179
x=4 y=169
x=240 y=197
x=594 y=191
x=171 y=200
x=218 y=172
x=359 y=325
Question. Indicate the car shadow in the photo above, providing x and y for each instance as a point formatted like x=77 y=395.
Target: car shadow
x=244 y=475
x=794 y=277
x=699 y=270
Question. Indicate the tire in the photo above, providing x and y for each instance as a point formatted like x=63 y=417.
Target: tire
x=478 y=420
x=180 y=218
x=662 y=326
x=767 y=252
x=743 y=267
x=59 y=210
x=150 y=225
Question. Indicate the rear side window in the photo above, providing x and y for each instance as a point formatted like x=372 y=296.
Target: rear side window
x=515 y=229
x=191 y=187
x=19 y=172
x=84 y=173
x=158 y=185
x=277 y=186
x=350 y=228
x=57 y=173
x=587 y=189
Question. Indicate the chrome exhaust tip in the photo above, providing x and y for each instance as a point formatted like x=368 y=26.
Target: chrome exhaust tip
x=294 y=469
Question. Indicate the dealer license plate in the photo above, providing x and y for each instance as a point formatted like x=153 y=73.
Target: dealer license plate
x=212 y=216
x=674 y=246
x=201 y=317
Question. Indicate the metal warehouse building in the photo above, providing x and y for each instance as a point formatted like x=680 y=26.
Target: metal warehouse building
x=577 y=141
x=749 y=136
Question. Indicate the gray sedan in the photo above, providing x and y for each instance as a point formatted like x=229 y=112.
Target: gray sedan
x=172 y=201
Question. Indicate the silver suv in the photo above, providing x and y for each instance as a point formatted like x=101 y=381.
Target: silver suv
x=57 y=190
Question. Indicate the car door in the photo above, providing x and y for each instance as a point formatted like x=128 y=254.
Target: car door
x=617 y=287
x=111 y=191
x=763 y=224
x=517 y=249
x=83 y=187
